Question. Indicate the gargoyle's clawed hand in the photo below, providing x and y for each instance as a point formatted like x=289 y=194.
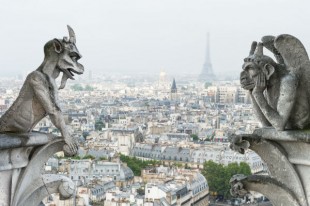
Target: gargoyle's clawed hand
x=260 y=83
x=71 y=146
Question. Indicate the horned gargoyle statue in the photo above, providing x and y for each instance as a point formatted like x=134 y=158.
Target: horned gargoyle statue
x=281 y=101
x=279 y=90
x=39 y=95
x=286 y=83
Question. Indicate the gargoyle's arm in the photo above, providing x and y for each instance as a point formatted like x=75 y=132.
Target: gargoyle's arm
x=42 y=94
x=259 y=114
x=278 y=118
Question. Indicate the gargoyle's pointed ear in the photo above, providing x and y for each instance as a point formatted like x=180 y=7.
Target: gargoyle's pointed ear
x=268 y=70
x=58 y=46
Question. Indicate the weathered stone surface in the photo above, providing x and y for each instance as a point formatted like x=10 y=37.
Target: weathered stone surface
x=5 y=192
x=275 y=191
x=277 y=159
x=13 y=140
x=33 y=186
x=280 y=95
x=23 y=153
x=39 y=94
x=279 y=90
x=22 y=179
x=15 y=149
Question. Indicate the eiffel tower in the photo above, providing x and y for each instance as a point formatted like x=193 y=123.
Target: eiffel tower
x=207 y=74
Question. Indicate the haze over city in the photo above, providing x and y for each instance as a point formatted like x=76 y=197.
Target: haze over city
x=146 y=36
x=159 y=113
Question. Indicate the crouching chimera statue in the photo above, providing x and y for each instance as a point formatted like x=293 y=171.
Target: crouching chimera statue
x=23 y=152
x=280 y=93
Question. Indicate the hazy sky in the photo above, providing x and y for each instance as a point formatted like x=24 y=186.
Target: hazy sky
x=146 y=35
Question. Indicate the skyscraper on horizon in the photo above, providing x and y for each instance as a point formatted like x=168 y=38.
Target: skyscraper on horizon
x=207 y=71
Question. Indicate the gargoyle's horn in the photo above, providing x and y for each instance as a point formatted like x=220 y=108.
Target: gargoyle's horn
x=259 y=50
x=268 y=42
x=253 y=47
x=72 y=38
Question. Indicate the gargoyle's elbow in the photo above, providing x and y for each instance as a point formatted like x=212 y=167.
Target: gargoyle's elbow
x=53 y=112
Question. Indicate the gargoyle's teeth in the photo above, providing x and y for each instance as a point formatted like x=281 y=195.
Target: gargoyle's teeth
x=69 y=73
x=70 y=70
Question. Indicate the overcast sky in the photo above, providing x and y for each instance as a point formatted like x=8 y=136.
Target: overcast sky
x=146 y=35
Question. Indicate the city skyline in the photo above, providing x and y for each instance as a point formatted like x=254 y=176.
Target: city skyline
x=137 y=136
x=145 y=36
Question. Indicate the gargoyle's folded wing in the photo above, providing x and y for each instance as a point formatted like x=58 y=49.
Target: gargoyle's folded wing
x=292 y=51
x=268 y=42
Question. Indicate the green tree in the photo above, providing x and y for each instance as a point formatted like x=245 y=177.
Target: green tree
x=102 y=158
x=88 y=156
x=186 y=166
x=195 y=137
x=89 y=88
x=85 y=134
x=244 y=168
x=207 y=84
x=177 y=164
x=141 y=191
x=76 y=157
x=77 y=87
x=136 y=165
x=99 y=125
x=218 y=175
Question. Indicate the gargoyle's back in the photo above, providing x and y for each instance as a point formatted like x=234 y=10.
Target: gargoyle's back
x=27 y=109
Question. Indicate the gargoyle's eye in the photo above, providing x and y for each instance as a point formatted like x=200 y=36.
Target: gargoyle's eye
x=74 y=56
x=249 y=69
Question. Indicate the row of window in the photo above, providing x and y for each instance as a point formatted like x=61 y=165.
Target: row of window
x=200 y=188
x=112 y=171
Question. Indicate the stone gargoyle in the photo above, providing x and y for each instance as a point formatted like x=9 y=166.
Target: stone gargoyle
x=279 y=90
x=280 y=93
x=23 y=153
x=39 y=95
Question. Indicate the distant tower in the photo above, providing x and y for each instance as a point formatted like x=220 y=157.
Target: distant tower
x=173 y=91
x=162 y=83
x=207 y=74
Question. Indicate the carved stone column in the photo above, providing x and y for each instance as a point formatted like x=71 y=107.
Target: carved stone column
x=22 y=159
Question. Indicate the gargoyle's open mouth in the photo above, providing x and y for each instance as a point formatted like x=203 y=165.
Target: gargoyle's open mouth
x=70 y=73
x=74 y=71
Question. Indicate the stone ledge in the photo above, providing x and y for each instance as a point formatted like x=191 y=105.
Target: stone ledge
x=287 y=135
x=17 y=140
x=22 y=159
